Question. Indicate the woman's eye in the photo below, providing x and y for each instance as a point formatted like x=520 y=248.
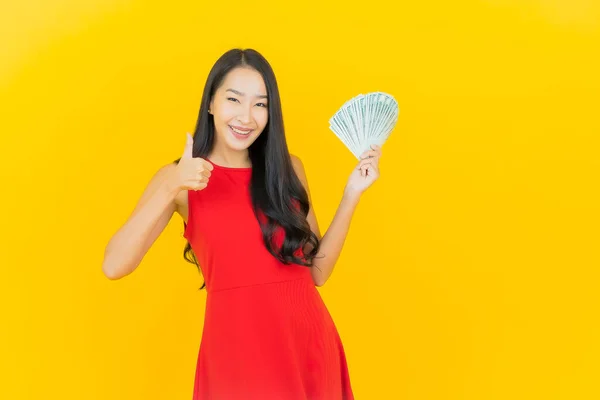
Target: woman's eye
x=232 y=99
x=261 y=105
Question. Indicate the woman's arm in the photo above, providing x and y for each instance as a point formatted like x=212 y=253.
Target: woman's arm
x=154 y=210
x=333 y=240
x=361 y=178
x=131 y=242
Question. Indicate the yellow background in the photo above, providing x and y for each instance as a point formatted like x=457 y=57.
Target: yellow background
x=471 y=268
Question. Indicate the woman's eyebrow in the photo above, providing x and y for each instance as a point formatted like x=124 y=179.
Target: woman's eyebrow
x=260 y=96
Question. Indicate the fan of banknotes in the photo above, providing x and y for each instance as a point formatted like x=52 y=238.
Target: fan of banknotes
x=364 y=120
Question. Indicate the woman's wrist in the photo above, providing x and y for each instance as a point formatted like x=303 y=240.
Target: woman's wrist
x=351 y=195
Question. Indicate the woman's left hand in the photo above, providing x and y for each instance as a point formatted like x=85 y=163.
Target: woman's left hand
x=365 y=173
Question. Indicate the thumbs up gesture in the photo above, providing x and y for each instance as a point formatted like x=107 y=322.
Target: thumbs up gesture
x=192 y=173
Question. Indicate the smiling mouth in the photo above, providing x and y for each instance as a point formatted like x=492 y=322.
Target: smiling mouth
x=240 y=131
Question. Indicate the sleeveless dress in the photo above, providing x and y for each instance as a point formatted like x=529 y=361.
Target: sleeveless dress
x=267 y=333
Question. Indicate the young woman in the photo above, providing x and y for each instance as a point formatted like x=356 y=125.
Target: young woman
x=253 y=233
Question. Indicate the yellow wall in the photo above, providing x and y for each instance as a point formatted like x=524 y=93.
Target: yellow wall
x=471 y=269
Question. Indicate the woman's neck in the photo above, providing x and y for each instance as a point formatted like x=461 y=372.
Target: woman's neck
x=230 y=158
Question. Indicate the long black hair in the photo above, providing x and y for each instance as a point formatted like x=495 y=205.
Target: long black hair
x=275 y=189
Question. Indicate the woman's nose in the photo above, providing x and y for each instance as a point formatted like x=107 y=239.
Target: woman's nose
x=244 y=116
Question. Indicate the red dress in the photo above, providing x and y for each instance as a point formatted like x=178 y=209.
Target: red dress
x=267 y=333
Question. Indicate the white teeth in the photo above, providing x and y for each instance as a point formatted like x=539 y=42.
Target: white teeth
x=239 y=132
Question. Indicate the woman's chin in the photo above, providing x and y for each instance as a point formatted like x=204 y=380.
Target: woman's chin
x=236 y=144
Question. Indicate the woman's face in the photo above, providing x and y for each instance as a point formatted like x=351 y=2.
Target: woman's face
x=240 y=108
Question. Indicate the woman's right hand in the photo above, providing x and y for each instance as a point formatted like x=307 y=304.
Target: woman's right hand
x=191 y=173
